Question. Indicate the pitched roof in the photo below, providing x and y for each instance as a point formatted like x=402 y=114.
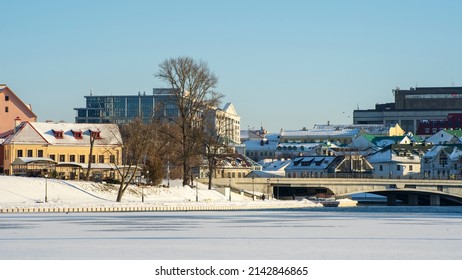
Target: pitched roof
x=25 y=106
x=38 y=132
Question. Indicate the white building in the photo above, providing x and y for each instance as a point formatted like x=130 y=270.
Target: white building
x=398 y=161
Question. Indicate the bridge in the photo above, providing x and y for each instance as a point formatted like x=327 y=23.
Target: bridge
x=410 y=192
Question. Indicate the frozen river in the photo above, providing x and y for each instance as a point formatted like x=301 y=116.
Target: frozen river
x=416 y=233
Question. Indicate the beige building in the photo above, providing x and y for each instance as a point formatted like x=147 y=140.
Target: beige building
x=62 y=150
x=228 y=124
x=12 y=111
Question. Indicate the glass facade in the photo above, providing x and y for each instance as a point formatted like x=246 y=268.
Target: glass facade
x=125 y=108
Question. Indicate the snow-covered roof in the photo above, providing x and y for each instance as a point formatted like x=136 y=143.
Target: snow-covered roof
x=320 y=133
x=276 y=165
x=253 y=145
x=368 y=128
x=29 y=160
x=311 y=162
x=38 y=132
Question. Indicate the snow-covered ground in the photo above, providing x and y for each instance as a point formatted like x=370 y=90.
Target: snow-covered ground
x=30 y=192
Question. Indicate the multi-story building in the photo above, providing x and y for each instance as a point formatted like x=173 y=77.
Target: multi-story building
x=398 y=161
x=442 y=162
x=121 y=109
x=12 y=111
x=227 y=123
x=412 y=106
x=36 y=149
x=330 y=134
x=163 y=103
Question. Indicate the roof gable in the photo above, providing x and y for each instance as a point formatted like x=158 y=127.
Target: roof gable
x=27 y=134
x=13 y=98
x=229 y=108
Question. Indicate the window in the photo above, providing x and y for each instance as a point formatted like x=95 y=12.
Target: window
x=381 y=167
x=58 y=134
x=443 y=161
x=410 y=167
x=20 y=153
x=101 y=159
x=112 y=158
x=6 y=109
x=7 y=98
x=398 y=167
x=72 y=158
x=77 y=134
x=82 y=159
x=29 y=153
x=40 y=153
x=53 y=157
x=93 y=159
x=95 y=134
x=62 y=158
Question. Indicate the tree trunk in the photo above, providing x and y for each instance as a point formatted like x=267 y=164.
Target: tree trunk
x=92 y=142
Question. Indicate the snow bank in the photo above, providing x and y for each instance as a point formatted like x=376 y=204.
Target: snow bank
x=23 y=192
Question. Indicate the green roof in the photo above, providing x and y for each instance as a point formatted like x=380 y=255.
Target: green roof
x=454 y=132
x=369 y=137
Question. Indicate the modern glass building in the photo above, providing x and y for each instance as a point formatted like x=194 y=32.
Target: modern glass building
x=121 y=109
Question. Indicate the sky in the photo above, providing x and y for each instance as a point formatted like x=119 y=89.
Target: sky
x=283 y=63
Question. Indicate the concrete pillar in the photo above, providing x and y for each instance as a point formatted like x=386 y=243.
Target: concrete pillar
x=434 y=200
x=391 y=200
x=413 y=200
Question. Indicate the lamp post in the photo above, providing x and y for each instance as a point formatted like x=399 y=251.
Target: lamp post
x=229 y=185
x=197 y=191
x=142 y=192
x=168 y=174
x=253 y=187
x=46 y=188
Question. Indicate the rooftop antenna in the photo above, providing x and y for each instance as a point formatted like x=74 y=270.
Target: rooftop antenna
x=91 y=92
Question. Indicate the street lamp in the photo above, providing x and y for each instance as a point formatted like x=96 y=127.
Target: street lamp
x=142 y=191
x=168 y=174
x=197 y=191
x=253 y=187
x=46 y=188
x=229 y=178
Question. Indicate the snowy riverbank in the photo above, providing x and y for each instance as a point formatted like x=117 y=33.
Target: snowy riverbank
x=20 y=194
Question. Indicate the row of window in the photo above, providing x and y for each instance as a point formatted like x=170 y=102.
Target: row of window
x=266 y=154
x=398 y=167
x=71 y=158
x=232 y=174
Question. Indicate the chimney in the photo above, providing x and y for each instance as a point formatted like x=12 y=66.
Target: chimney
x=17 y=122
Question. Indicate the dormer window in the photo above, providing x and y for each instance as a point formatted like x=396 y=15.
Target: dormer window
x=95 y=134
x=77 y=134
x=58 y=134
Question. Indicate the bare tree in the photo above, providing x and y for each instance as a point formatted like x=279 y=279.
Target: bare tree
x=90 y=156
x=138 y=139
x=193 y=85
x=215 y=140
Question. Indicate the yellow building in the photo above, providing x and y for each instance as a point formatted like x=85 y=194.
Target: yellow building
x=62 y=150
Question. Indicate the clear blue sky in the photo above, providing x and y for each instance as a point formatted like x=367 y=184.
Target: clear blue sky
x=286 y=64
